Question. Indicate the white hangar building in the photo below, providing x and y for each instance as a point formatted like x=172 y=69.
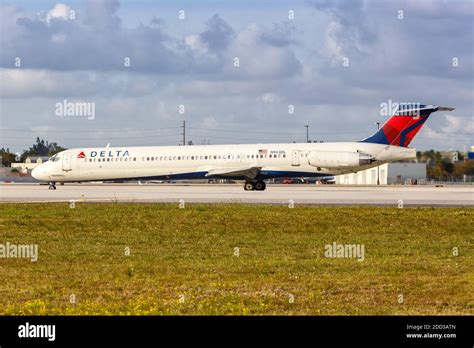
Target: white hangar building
x=389 y=173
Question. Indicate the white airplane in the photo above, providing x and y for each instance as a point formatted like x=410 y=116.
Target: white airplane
x=250 y=162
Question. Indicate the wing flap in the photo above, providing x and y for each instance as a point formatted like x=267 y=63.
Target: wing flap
x=246 y=171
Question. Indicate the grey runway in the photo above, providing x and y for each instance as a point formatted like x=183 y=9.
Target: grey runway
x=214 y=193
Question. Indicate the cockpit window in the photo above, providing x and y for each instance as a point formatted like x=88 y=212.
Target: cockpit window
x=54 y=158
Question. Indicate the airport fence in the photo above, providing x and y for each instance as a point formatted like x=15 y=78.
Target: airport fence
x=445 y=183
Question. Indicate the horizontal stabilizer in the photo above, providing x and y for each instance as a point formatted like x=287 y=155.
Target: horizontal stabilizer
x=445 y=108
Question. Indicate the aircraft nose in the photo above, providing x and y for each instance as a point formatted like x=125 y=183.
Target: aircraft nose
x=38 y=173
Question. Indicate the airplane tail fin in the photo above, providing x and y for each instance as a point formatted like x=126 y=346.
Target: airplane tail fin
x=401 y=128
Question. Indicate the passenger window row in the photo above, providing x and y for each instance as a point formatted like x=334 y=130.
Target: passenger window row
x=209 y=157
x=113 y=159
x=186 y=158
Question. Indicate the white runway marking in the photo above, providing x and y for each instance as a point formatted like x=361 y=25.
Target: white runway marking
x=275 y=194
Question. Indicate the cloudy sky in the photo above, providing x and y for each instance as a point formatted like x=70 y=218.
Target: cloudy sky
x=236 y=68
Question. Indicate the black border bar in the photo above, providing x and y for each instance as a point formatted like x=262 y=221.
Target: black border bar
x=340 y=330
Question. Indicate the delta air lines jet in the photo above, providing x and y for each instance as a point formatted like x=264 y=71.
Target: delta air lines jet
x=250 y=162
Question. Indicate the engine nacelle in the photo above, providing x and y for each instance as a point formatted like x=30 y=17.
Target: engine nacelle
x=337 y=159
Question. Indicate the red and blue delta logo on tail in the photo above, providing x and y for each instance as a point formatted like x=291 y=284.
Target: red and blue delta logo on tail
x=406 y=122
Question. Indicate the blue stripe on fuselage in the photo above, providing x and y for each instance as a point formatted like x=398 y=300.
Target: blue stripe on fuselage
x=264 y=174
x=268 y=174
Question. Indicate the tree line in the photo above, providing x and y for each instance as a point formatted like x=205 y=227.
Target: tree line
x=40 y=148
x=439 y=167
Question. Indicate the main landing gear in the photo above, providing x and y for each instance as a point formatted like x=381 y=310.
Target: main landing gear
x=255 y=185
x=52 y=186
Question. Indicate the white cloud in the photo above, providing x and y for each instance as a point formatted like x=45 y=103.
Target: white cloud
x=193 y=65
x=210 y=122
x=194 y=43
x=215 y=89
x=59 y=11
x=258 y=59
x=31 y=83
x=268 y=98
x=332 y=48
x=458 y=124
x=454 y=129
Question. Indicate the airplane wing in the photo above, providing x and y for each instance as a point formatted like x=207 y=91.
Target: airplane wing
x=247 y=171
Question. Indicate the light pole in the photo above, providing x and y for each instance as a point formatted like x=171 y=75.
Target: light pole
x=184 y=133
x=307 y=132
x=378 y=167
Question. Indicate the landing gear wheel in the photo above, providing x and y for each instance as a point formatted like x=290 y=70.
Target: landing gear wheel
x=260 y=186
x=249 y=186
x=52 y=186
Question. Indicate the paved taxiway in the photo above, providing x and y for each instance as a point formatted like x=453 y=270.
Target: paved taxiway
x=275 y=194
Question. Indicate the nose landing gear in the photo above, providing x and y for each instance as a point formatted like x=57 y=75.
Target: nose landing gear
x=52 y=186
x=255 y=185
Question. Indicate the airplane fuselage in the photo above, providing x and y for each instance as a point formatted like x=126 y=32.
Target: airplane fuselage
x=251 y=162
x=247 y=162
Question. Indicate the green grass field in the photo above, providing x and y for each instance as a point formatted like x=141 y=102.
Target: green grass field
x=185 y=261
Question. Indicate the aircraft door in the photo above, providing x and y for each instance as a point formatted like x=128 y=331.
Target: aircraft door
x=295 y=158
x=67 y=161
